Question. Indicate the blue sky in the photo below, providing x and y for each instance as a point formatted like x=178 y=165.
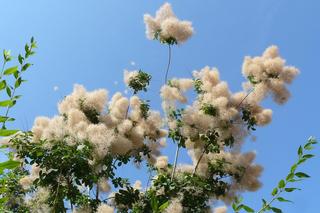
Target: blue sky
x=91 y=42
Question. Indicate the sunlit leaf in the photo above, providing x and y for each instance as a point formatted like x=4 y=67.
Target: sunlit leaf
x=11 y=70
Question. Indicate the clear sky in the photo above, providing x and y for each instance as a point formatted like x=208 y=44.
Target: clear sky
x=91 y=42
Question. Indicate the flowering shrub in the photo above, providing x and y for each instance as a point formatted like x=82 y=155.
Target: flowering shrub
x=74 y=156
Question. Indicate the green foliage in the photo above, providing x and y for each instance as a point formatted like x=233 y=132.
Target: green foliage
x=73 y=170
x=144 y=109
x=127 y=197
x=195 y=190
x=139 y=82
x=210 y=139
x=91 y=113
x=209 y=109
x=16 y=73
x=169 y=41
x=12 y=194
x=197 y=86
x=248 y=119
x=252 y=80
x=10 y=164
x=11 y=172
x=175 y=134
x=282 y=187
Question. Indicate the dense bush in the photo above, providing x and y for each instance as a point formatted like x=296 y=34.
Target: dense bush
x=70 y=161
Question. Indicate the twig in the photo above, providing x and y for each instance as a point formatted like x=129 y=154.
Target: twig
x=168 y=66
x=59 y=179
x=2 y=70
x=175 y=162
x=273 y=199
x=244 y=99
x=97 y=193
x=197 y=165
x=149 y=178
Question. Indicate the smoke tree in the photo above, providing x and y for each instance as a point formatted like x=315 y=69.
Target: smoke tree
x=74 y=156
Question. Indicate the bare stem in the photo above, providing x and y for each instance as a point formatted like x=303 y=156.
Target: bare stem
x=97 y=193
x=57 y=192
x=244 y=98
x=149 y=178
x=175 y=162
x=2 y=70
x=71 y=205
x=168 y=66
x=198 y=162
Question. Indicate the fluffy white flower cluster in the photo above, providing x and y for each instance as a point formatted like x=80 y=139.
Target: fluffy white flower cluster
x=128 y=75
x=118 y=131
x=104 y=208
x=165 y=26
x=269 y=74
x=251 y=172
x=27 y=181
x=218 y=110
x=38 y=201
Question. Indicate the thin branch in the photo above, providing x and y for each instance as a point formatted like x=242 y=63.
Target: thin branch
x=197 y=165
x=169 y=63
x=2 y=70
x=149 y=178
x=97 y=193
x=271 y=201
x=175 y=161
x=108 y=198
x=244 y=99
x=56 y=197
x=71 y=205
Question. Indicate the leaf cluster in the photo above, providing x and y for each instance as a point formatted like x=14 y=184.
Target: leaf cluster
x=139 y=82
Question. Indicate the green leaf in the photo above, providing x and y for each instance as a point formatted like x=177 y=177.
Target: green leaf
x=7 y=132
x=293 y=168
x=290 y=176
x=312 y=140
x=291 y=189
x=11 y=70
x=10 y=164
x=274 y=191
x=26 y=48
x=3 y=119
x=281 y=199
x=6 y=103
x=308 y=156
x=295 y=180
x=302 y=175
x=8 y=91
x=17 y=83
x=300 y=151
x=20 y=59
x=302 y=160
x=247 y=208
x=281 y=184
x=276 y=210
x=26 y=66
x=308 y=146
x=7 y=55
x=234 y=206
x=164 y=206
x=3 y=84
x=264 y=202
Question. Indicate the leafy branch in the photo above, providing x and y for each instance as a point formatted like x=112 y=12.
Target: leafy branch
x=277 y=192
